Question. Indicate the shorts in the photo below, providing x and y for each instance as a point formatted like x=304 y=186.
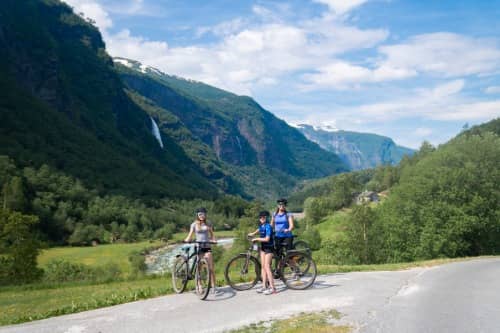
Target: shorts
x=267 y=249
x=283 y=242
x=205 y=249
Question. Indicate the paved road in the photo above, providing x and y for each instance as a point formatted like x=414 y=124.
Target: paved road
x=457 y=297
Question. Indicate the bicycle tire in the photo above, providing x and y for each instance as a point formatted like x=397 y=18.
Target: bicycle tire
x=240 y=274
x=302 y=246
x=202 y=279
x=298 y=271
x=180 y=274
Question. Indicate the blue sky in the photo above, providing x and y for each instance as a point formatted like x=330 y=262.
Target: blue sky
x=410 y=70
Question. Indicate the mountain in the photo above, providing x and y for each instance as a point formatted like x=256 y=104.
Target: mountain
x=132 y=130
x=228 y=136
x=63 y=104
x=358 y=150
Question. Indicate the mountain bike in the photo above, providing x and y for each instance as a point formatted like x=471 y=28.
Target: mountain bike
x=199 y=271
x=302 y=246
x=296 y=269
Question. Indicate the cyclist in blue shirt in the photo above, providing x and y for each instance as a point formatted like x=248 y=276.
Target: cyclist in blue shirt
x=266 y=240
x=282 y=222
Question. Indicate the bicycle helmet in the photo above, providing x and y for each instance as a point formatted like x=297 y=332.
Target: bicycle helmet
x=264 y=213
x=201 y=210
x=282 y=201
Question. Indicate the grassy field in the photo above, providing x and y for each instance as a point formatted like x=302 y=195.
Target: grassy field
x=103 y=254
x=96 y=255
x=20 y=304
x=333 y=225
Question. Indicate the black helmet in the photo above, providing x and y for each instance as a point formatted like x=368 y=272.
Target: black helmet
x=264 y=213
x=201 y=210
x=282 y=201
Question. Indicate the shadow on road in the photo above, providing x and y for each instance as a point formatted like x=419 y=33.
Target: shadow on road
x=223 y=293
x=323 y=285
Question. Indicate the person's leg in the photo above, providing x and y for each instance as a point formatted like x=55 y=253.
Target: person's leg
x=267 y=264
x=210 y=260
x=263 y=269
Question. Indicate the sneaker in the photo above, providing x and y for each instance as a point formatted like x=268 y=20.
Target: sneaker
x=261 y=290
x=216 y=291
x=269 y=291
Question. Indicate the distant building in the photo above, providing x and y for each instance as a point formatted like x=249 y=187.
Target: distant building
x=366 y=197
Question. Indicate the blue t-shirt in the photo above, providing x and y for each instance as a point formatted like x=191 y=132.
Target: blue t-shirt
x=281 y=223
x=265 y=230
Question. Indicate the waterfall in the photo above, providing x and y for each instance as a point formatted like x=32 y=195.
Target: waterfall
x=156 y=131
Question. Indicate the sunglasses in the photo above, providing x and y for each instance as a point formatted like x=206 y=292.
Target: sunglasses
x=202 y=214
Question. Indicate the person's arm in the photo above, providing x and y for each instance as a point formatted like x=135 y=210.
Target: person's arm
x=190 y=235
x=253 y=233
x=272 y=221
x=290 y=223
x=264 y=239
x=211 y=233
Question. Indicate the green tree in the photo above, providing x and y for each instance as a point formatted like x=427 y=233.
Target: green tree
x=19 y=248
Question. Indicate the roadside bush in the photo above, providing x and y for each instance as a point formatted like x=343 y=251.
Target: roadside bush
x=59 y=271
x=312 y=237
x=63 y=271
x=217 y=253
x=137 y=262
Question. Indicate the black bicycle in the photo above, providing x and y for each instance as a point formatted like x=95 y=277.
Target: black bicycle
x=296 y=269
x=199 y=272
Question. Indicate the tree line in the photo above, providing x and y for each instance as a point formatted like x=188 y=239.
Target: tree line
x=441 y=202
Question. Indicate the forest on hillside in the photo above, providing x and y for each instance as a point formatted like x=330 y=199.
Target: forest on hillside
x=441 y=202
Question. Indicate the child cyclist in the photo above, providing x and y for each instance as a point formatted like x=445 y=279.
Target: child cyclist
x=266 y=240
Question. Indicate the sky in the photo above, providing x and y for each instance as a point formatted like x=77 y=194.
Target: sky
x=409 y=70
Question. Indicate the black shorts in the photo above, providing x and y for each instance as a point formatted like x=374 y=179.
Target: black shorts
x=267 y=249
x=205 y=249
x=283 y=242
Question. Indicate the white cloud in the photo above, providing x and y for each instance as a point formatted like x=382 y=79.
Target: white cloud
x=492 y=90
x=444 y=54
x=93 y=10
x=224 y=28
x=342 y=75
x=245 y=54
x=439 y=55
x=422 y=132
x=341 y=7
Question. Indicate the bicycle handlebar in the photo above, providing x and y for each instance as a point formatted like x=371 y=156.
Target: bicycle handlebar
x=198 y=242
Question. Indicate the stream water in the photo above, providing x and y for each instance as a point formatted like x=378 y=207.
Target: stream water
x=160 y=261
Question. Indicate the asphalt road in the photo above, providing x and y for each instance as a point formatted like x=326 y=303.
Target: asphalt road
x=457 y=297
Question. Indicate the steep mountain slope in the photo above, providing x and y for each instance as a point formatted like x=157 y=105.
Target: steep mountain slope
x=232 y=135
x=63 y=104
x=358 y=150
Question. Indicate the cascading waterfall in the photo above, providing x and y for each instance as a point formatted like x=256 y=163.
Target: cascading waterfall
x=156 y=132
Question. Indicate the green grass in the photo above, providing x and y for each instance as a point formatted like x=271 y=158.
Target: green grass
x=317 y=322
x=20 y=304
x=333 y=225
x=96 y=255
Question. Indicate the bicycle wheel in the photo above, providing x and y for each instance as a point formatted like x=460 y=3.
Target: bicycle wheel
x=202 y=279
x=180 y=274
x=302 y=246
x=242 y=272
x=298 y=271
